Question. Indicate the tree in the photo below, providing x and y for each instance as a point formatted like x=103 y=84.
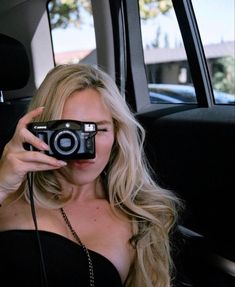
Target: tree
x=67 y=12
x=152 y=8
x=223 y=77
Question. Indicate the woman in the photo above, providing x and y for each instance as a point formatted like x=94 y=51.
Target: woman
x=108 y=204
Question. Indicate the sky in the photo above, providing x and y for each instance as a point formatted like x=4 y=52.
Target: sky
x=216 y=28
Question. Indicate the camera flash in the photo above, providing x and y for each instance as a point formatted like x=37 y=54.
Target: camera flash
x=67 y=125
x=89 y=128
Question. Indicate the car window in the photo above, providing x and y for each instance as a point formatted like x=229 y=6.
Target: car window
x=165 y=58
x=167 y=68
x=72 y=31
x=217 y=30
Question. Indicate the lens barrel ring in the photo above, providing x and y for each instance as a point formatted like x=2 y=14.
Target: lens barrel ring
x=63 y=135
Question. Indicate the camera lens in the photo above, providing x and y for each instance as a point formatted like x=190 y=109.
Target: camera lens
x=66 y=142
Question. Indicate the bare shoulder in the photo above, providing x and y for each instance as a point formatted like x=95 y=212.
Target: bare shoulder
x=14 y=214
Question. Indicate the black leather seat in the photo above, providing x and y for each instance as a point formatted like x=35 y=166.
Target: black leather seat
x=14 y=75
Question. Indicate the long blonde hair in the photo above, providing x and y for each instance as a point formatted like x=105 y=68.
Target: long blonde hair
x=129 y=185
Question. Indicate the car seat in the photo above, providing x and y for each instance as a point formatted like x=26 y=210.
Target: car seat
x=14 y=75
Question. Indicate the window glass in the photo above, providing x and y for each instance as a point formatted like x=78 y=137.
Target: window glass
x=165 y=58
x=72 y=30
x=217 y=30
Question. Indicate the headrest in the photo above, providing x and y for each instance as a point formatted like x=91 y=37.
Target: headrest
x=14 y=64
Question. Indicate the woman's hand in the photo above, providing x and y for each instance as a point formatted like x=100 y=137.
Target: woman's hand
x=16 y=161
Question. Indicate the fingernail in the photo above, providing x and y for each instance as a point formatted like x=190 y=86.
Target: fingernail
x=44 y=146
x=62 y=163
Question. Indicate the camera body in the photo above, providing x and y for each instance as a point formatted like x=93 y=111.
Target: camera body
x=67 y=139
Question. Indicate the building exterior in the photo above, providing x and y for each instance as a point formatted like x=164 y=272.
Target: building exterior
x=163 y=65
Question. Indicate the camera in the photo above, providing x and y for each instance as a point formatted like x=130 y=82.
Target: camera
x=67 y=139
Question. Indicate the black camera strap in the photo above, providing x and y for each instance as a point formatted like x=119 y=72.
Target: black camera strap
x=33 y=211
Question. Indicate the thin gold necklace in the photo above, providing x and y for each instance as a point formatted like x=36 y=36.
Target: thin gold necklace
x=76 y=237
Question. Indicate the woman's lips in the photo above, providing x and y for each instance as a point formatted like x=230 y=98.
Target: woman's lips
x=82 y=163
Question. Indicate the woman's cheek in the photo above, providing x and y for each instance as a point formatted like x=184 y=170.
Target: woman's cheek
x=104 y=144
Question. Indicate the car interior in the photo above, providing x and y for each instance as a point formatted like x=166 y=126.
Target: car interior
x=14 y=75
x=191 y=148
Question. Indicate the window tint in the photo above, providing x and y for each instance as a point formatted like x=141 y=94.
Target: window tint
x=217 y=30
x=164 y=54
x=72 y=31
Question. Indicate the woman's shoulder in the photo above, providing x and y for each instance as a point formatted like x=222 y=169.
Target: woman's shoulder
x=14 y=213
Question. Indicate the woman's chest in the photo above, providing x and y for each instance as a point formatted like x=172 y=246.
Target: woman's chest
x=105 y=233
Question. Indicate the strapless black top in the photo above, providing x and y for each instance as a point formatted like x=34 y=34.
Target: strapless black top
x=66 y=263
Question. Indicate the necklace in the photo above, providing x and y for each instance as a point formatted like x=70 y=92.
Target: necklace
x=76 y=237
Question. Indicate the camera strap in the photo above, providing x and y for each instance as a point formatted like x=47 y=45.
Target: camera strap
x=33 y=211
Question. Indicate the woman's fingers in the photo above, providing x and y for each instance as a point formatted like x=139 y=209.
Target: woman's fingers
x=23 y=135
x=22 y=162
x=38 y=159
x=15 y=166
x=16 y=162
x=29 y=138
x=27 y=118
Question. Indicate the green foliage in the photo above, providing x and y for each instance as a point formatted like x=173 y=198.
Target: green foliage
x=223 y=77
x=151 y=8
x=67 y=12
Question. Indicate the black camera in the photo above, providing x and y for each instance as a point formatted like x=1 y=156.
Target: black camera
x=67 y=139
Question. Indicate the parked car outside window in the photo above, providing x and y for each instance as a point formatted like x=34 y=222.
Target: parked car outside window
x=182 y=94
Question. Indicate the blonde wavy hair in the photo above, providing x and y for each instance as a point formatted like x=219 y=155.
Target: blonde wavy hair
x=128 y=182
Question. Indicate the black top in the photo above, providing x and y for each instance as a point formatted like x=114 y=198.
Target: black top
x=65 y=261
